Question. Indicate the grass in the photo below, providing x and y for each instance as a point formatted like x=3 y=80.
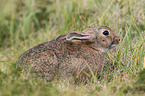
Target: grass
x=27 y=23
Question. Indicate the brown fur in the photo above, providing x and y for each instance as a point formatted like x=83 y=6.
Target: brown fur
x=63 y=58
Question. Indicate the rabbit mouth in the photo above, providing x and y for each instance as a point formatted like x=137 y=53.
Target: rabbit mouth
x=113 y=45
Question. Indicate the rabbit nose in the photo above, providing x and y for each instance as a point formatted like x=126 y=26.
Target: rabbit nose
x=116 y=40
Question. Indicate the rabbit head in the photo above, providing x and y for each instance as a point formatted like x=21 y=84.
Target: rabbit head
x=97 y=38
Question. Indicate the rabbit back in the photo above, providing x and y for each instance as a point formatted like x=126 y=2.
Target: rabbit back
x=39 y=61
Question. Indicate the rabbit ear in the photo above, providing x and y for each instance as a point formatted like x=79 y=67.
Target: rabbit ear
x=78 y=36
x=61 y=37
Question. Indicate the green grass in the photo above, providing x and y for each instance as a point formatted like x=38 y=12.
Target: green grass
x=26 y=23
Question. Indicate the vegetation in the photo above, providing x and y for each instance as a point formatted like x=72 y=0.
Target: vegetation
x=26 y=23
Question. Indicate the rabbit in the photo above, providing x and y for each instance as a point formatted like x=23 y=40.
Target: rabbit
x=69 y=55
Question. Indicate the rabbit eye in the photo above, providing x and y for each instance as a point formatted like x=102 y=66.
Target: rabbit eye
x=105 y=33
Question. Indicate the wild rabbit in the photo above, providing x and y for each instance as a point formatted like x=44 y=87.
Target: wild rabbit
x=69 y=55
